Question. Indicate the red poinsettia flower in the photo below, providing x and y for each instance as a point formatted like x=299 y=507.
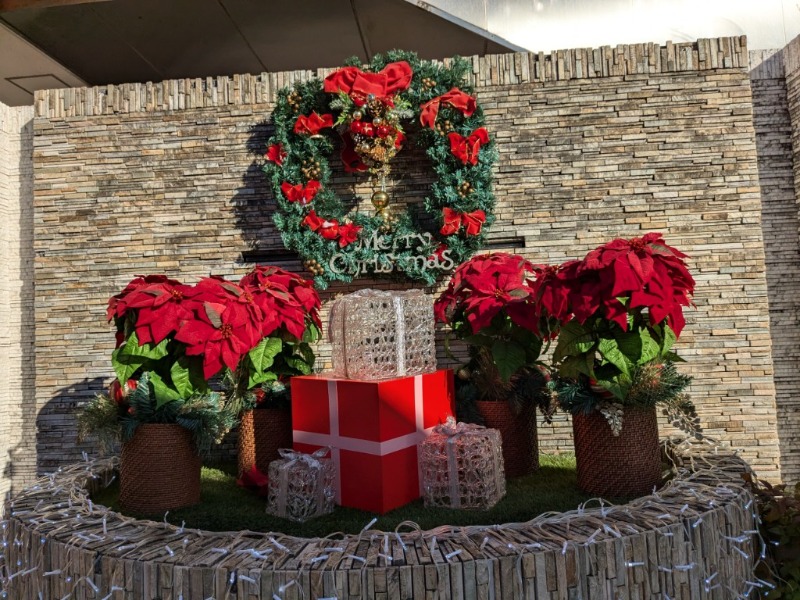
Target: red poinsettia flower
x=300 y=193
x=279 y=293
x=348 y=233
x=221 y=333
x=550 y=290
x=117 y=305
x=486 y=285
x=312 y=124
x=276 y=153
x=160 y=308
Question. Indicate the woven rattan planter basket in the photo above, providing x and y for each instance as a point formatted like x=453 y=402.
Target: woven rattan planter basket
x=620 y=466
x=520 y=444
x=159 y=469
x=261 y=433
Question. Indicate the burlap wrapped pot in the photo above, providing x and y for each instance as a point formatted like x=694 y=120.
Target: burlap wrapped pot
x=518 y=432
x=261 y=433
x=159 y=469
x=620 y=466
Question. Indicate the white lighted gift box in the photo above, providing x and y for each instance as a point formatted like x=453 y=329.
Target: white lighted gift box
x=381 y=334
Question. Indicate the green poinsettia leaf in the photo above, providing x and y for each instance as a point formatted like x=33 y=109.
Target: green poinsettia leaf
x=619 y=386
x=307 y=353
x=311 y=334
x=125 y=366
x=672 y=357
x=263 y=355
x=574 y=366
x=638 y=347
x=299 y=365
x=186 y=375
x=668 y=340
x=573 y=339
x=162 y=392
x=611 y=352
x=131 y=347
x=259 y=378
x=509 y=357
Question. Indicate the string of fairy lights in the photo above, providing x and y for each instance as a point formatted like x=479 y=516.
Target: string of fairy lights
x=58 y=510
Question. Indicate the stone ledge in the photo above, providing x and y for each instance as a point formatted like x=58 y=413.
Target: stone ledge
x=497 y=69
x=695 y=539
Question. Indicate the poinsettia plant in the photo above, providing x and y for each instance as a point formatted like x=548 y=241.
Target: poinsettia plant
x=489 y=304
x=621 y=310
x=291 y=324
x=172 y=339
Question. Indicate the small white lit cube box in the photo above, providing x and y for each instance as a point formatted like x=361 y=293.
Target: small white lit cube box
x=462 y=467
x=301 y=486
x=381 y=334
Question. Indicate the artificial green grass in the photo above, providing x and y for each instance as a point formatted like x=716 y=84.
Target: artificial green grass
x=228 y=507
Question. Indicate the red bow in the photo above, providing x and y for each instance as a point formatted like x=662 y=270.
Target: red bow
x=462 y=102
x=327 y=229
x=395 y=77
x=300 y=193
x=311 y=124
x=453 y=220
x=276 y=154
x=466 y=149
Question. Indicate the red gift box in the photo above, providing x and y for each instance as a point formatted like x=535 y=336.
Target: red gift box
x=373 y=428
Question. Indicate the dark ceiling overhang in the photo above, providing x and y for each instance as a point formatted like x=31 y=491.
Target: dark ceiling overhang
x=120 y=41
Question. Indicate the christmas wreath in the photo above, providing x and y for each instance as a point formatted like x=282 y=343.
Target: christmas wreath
x=370 y=113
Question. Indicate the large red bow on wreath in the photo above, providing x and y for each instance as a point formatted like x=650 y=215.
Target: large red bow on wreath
x=300 y=193
x=462 y=102
x=394 y=77
x=453 y=220
x=311 y=124
x=466 y=149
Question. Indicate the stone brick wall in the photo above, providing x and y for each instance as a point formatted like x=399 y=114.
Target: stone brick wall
x=775 y=79
x=17 y=404
x=593 y=144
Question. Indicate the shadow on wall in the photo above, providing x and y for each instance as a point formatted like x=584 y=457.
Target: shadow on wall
x=57 y=439
x=21 y=460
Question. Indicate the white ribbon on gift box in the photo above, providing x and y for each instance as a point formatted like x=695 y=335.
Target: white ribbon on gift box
x=337 y=443
x=292 y=457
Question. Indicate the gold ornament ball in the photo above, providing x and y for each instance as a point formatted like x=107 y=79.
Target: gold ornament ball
x=357 y=114
x=380 y=200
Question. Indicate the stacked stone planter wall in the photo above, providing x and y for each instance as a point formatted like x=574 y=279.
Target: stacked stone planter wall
x=693 y=540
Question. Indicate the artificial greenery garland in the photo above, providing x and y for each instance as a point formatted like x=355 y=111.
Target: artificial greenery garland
x=340 y=242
